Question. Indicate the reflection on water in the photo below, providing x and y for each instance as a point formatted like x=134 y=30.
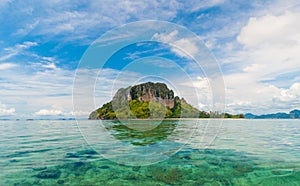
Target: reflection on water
x=136 y=131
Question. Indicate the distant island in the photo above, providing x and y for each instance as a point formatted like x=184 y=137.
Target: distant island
x=150 y=100
x=294 y=114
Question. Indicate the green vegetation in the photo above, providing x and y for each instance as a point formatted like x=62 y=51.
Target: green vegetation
x=105 y=112
x=139 y=109
x=226 y=115
x=146 y=109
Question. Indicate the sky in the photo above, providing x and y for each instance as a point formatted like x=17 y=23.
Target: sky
x=255 y=43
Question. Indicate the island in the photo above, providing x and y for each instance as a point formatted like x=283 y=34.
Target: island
x=149 y=101
x=294 y=114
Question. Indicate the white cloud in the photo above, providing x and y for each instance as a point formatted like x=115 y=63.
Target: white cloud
x=94 y=17
x=270 y=30
x=158 y=62
x=290 y=95
x=272 y=44
x=15 y=50
x=186 y=45
x=6 y=66
x=244 y=94
x=36 y=91
x=4 y=111
x=45 y=112
x=253 y=67
x=27 y=28
x=269 y=52
x=30 y=89
x=180 y=46
x=56 y=112
x=49 y=66
x=197 y=5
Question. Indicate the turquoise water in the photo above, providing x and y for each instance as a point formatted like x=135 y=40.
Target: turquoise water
x=245 y=152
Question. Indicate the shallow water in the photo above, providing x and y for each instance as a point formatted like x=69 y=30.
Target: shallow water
x=245 y=152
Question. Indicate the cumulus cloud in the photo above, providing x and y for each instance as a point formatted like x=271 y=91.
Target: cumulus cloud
x=290 y=95
x=30 y=89
x=50 y=66
x=246 y=93
x=272 y=44
x=5 y=111
x=59 y=113
x=269 y=53
x=45 y=112
x=197 y=92
x=270 y=30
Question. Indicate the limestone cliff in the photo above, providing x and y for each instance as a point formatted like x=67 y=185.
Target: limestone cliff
x=147 y=92
x=147 y=100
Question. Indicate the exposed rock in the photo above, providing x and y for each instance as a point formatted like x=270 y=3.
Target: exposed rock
x=146 y=100
x=153 y=92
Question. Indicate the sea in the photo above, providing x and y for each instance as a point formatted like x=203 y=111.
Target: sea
x=150 y=152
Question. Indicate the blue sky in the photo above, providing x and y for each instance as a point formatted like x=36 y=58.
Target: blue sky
x=256 y=44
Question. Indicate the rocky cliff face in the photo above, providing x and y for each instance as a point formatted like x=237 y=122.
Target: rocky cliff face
x=147 y=100
x=152 y=92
